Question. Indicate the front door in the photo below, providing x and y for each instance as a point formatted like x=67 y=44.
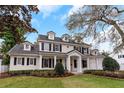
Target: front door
x=74 y=65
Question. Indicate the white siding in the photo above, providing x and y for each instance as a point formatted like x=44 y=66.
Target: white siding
x=119 y=60
x=25 y=66
x=67 y=48
x=95 y=63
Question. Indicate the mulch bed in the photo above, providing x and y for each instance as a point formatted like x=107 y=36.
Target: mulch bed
x=4 y=75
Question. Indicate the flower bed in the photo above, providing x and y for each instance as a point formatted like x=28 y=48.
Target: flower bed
x=116 y=74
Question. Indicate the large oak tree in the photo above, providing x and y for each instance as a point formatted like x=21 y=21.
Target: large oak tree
x=92 y=19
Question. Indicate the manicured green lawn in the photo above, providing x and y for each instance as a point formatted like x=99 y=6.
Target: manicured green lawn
x=78 y=81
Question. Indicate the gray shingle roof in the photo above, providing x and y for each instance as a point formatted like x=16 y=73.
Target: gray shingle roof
x=58 y=39
x=19 y=49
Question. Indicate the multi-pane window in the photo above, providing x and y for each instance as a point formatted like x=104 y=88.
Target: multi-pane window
x=46 y=46
x=57 y=47
x=84 y=63
x=27 y=46
x=19 y=61
x=120 y=56
x=31 y=61
x=47 y=63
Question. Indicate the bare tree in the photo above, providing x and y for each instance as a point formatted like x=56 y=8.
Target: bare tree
x=93 y=19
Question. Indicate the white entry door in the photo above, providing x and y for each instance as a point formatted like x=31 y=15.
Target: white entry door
x=74 y=65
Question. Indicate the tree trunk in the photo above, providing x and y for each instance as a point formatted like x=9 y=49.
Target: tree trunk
x=120 y=31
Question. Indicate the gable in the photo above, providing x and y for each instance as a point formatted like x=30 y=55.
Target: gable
x=74 y=53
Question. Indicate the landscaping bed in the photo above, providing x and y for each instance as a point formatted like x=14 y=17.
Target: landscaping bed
x=4 y=75
x=38 y=73
x=114 y=74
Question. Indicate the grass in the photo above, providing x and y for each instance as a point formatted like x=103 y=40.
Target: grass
x=78 y=81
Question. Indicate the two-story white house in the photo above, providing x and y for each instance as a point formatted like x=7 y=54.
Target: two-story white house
x=49 y=49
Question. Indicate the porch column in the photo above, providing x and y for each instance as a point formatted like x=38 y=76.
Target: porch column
x=40 y=62
x=79 y=65
x=88 y=63
x=54 y=61
x=68 y=64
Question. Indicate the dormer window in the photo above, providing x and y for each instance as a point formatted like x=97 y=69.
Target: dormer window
x=27 y=46
x=51 y=35
x=65 y=37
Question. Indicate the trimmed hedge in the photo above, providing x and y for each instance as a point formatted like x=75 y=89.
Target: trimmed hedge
x=38 y=73
x=116 y=74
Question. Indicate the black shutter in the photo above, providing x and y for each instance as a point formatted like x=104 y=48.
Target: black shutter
x=27 y=61
x=60 y=48
x=74 y=47
x=82 y=50
x=23 y=61
x=34 y=61
x=42 y=46
x=15 y=59
x=50 y=63
x=53 y=47
x=53 y=63
x=87 y=51
x=60 y=60
x=50 y=47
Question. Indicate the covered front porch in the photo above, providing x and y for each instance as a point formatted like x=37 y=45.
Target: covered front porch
x=74 y=61
x=48 y=62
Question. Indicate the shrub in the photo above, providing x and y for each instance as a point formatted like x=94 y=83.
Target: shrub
x=116 y=74
x=59 y=69
x=110 y=64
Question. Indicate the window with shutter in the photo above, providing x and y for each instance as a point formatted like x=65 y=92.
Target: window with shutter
x=15 y=59
x=84 y=63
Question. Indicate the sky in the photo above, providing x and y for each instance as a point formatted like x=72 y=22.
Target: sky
x=53 y=18
x=50 y=18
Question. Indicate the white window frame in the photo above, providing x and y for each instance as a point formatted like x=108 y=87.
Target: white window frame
x=47 y=63
x=46 y=46
x=32 y=61
x=27 y=47
x=19 y=63
x=58 y=47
